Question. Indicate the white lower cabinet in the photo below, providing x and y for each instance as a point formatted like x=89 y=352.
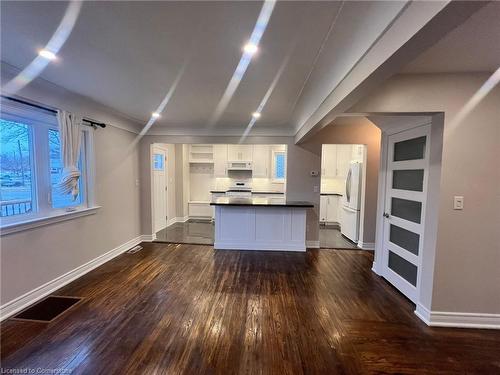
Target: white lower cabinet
x=329 y=209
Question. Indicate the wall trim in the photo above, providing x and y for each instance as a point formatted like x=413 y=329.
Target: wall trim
x=366 y=245
x=312 y=244
x=457 y=319
x=10 y=308
x=178 y=219
x=375 y=269
x=148 y=237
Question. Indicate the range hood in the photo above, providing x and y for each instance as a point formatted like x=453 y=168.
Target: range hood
x=239 y=166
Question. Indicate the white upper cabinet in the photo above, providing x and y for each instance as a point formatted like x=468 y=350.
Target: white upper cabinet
x=329 y=161
x=261 y=161
x=344 y=155
x=239 y=152
x=220 y=160
x=335 y=160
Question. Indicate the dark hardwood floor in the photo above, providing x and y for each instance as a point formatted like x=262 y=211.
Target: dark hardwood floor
x=187 y=309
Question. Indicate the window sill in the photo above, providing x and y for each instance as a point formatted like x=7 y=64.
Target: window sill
x=47 y=220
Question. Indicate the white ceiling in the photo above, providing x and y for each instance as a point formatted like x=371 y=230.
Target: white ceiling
x=474 y=46
x=127 y=54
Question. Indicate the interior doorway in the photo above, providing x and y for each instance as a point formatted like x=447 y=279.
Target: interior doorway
x=159 y=187
x=342 y=195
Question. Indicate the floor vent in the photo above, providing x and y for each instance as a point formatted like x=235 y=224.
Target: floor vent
x=134 y=250
x=48 y=309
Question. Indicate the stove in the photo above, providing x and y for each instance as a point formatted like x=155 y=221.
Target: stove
x=240 y=189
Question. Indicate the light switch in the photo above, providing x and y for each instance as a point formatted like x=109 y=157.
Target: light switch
x=458 y=202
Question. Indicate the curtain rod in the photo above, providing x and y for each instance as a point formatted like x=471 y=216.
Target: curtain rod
x=89 y=122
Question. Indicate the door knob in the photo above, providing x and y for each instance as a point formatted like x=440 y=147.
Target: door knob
x=386 y=215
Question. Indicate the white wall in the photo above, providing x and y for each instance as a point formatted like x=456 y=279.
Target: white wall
x=34 y=257
x=467 y=263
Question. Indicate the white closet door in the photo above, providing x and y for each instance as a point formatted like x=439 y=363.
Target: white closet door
x=405 y=198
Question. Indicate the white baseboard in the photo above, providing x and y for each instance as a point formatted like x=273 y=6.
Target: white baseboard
x=457 y=319
x=312 y=244
x=148 y=237
x=21 y=302
x=179 y=219
x=375 y=269
x=366 y=245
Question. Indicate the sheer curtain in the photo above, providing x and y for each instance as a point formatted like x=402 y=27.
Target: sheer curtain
x=70 y=132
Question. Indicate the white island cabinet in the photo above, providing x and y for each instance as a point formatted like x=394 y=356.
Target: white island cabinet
x=260 y=224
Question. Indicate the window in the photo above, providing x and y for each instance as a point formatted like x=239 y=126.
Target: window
x=158 y=162
x=16 y=168
x=31 y=167
x=279 y=166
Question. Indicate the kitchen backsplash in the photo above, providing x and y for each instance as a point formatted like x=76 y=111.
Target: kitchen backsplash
x=333 y=185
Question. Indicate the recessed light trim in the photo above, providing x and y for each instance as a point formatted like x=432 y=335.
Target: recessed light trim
x=46 y=54
x=256 y=115
x=155 y=115
x=250 y=48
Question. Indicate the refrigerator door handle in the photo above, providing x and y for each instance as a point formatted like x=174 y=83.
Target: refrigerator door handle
x=348 y=186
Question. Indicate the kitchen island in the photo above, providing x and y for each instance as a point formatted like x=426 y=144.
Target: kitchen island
x=260 y=224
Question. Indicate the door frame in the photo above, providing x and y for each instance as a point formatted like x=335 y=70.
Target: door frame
x=430 y=215
x=152 y=147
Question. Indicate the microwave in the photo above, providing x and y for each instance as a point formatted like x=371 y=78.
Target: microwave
x=239 y=166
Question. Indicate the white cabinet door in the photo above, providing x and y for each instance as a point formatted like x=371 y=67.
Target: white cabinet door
x=220 y=160
x=261 y=158
x=329 y=160
x=332 y=211
x=239 y=152
x=323 y=208
x=344 y=154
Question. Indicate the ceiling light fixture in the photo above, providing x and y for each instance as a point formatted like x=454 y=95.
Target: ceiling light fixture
x=155 y=115
x=46 y=54
x=256 y=115
x=250 y=48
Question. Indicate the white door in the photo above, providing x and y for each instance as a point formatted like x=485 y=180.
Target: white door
x=405 y=199
x=159 y=172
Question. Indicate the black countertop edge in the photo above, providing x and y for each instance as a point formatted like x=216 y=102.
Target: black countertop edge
x=340 y=195
x=250 y=202
x=253 y=192
x=267 y=192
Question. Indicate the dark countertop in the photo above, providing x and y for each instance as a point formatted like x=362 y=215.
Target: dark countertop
x=340 y=195
x=253 y=192
x=263 y=202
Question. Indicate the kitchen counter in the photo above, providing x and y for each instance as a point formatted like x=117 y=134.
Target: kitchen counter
x=338 y=194
x=269 y=202
x=260 y=224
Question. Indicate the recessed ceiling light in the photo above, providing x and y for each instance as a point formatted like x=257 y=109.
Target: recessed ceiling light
x=155 y=115
x=46 y=54
x=250 y=48
x=256 y=115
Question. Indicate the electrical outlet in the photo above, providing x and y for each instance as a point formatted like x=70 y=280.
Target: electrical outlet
x=458 y=202
x=316 y=189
